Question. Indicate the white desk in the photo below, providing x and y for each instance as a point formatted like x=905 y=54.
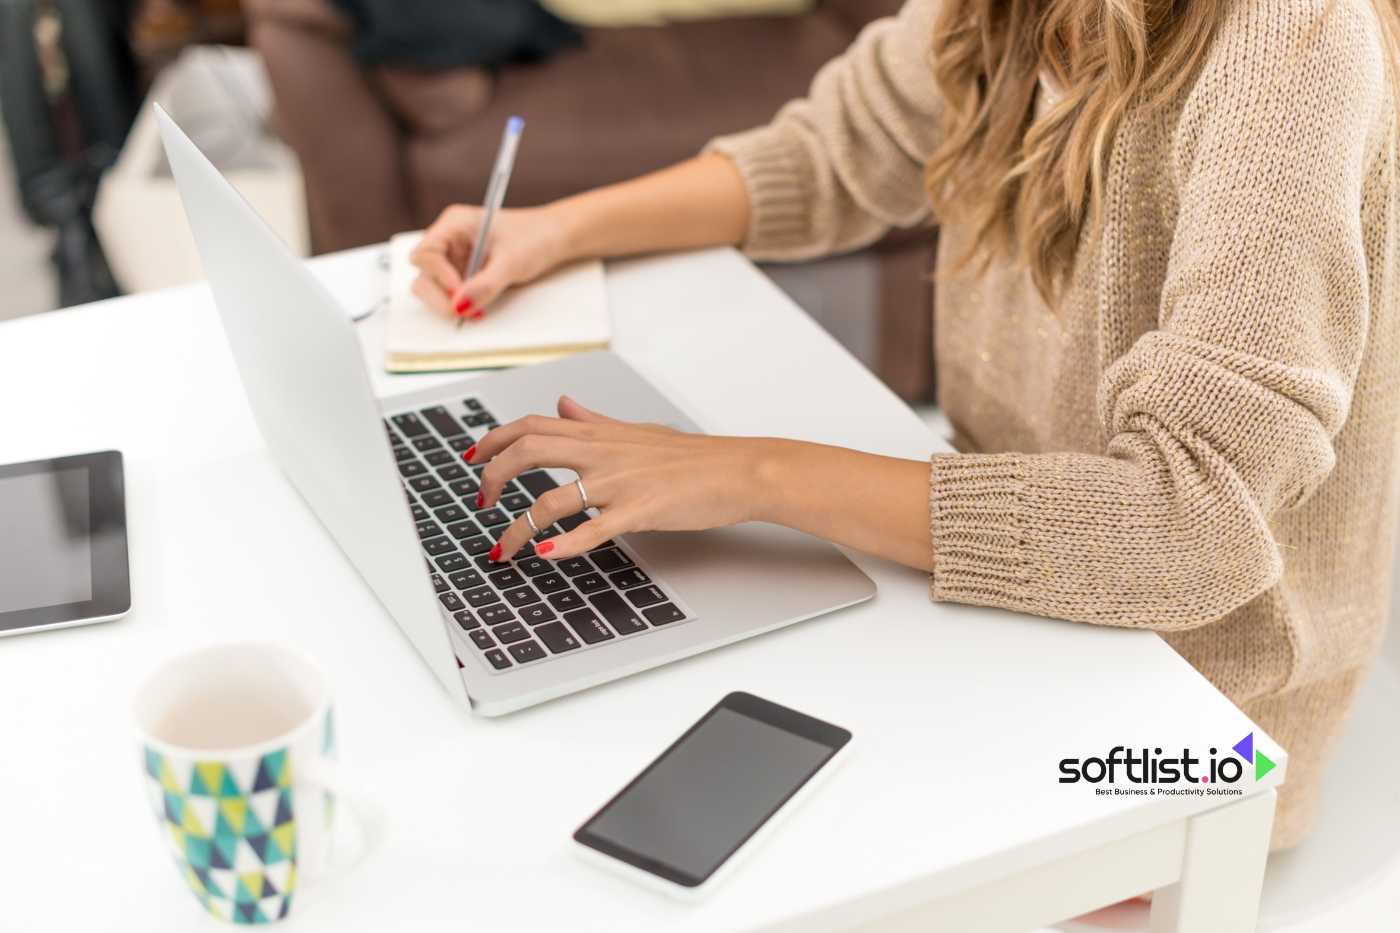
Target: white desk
x=949 y=814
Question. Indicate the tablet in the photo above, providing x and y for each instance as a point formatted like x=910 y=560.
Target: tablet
x=63 y=558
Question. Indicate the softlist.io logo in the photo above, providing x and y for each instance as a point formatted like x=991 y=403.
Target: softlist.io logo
x=1161 y=772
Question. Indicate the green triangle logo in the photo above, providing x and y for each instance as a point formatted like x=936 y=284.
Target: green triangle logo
x=1262 y=764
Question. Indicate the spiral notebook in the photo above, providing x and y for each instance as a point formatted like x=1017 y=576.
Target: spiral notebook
x=565 y=312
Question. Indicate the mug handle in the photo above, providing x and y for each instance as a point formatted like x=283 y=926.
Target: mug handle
x=349 y=833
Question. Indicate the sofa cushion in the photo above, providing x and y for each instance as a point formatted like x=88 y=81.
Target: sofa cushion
x=656 y=12
x=630 y=101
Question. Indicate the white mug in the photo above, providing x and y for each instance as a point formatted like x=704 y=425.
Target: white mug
x=238 y=747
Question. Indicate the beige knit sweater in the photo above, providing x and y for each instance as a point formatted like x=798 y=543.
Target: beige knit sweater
x=1202 y=439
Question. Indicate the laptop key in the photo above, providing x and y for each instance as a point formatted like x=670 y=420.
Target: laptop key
x=626 y=579
x=534 y=566
x=478 y=419
x=481 y=639
x=439 y=458
x=590 y=583
x=441 y=419
x=393 y=435
x=507 y=578
x=570 y=522
x=436 y=546
x=439 y=584
x=536 y=482
x=428 y=529
x=466 y=579
x=574 y=566
x=420 y=514
x=402 y=454
x=619 y=615
x=461 y=443
x=449 y=513
x=611 y=560
x=663 y=614
x=465 y=487
x=466 y=620
x=496 y=613
x=481 y=596
x=472 y=404
x=645 y=596
x=488 y=565
x=452 y=471
x=454 y=561
x=511 y=631
x=450 y=601
x=566 y=600
x=409 y=424
x=463 y=529
x=410 y=468
x=550 y=531
x=434 y=498
x=557 y=637
x=526 y=651
x=551 y=583
x=426 y=443
x=480 y=545
x=498 y=659
x=424 y=483
x=522 y=596
x=588 y=626
x=537 y=613
x=515 y=502
x=492 y=517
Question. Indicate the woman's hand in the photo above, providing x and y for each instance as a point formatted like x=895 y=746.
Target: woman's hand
x=646 y=477
x=642 y=477
x=523 y=245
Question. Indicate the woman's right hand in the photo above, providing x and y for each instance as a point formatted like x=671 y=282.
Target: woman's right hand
x=524 y=244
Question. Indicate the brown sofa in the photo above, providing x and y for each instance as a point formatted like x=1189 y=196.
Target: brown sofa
x=385 y=149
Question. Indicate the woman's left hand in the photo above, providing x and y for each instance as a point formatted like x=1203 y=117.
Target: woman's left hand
x=642 y=477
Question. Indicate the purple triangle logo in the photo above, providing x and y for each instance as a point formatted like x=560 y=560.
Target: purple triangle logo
x=1245 y=748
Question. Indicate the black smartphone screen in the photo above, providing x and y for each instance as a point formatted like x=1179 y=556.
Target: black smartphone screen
x=696 y=804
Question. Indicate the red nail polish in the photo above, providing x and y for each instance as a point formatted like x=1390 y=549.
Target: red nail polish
x=496 y=552
x=471 y=452
x=464 y=304
x=544 y=547
x=480 y=501
x=477 y=315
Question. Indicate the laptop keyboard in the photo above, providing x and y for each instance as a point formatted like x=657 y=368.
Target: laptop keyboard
x=529 y=609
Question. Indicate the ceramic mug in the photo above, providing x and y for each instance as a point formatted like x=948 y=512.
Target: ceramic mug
x=238 y=747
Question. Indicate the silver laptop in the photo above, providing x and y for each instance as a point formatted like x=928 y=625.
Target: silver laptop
x=386 y=478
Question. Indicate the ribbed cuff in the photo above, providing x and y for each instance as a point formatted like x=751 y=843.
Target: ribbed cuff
x=779 y=187
x=975 y=523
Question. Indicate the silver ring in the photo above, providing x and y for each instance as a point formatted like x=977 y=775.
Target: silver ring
x=535 y=529
x=582 y=495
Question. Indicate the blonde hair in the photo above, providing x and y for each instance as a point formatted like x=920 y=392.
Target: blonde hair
x=1028 y=185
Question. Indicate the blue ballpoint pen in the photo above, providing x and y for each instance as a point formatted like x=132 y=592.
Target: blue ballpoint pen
x=495 y=193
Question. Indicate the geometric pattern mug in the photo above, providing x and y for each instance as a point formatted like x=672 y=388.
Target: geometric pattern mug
x=238 y=743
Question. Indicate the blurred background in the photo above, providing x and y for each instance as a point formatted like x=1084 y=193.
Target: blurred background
x=346 y=121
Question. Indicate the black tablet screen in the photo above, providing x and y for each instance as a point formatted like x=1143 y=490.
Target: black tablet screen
x=46 y=545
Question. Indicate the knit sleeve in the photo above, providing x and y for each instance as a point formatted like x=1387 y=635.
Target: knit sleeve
x=836 y=170
x=1224 y=415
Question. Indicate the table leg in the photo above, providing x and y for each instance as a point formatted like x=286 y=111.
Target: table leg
x=1222 y=871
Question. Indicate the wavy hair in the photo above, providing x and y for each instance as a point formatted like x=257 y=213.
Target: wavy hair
x=1027 y=185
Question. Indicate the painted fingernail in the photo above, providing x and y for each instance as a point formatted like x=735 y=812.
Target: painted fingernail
x=544 y=547
x=477 y=315
x=496 y=552
x=471 y=452
x=480 y=501
x=464 y=304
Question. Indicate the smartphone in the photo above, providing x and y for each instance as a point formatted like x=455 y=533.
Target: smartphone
x=684 y=821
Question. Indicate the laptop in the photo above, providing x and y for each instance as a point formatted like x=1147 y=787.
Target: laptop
x=386 y=479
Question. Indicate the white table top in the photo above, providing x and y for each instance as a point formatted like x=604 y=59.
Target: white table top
x=960 y=714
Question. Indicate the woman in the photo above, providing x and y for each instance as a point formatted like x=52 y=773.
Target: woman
x=1167 y=333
